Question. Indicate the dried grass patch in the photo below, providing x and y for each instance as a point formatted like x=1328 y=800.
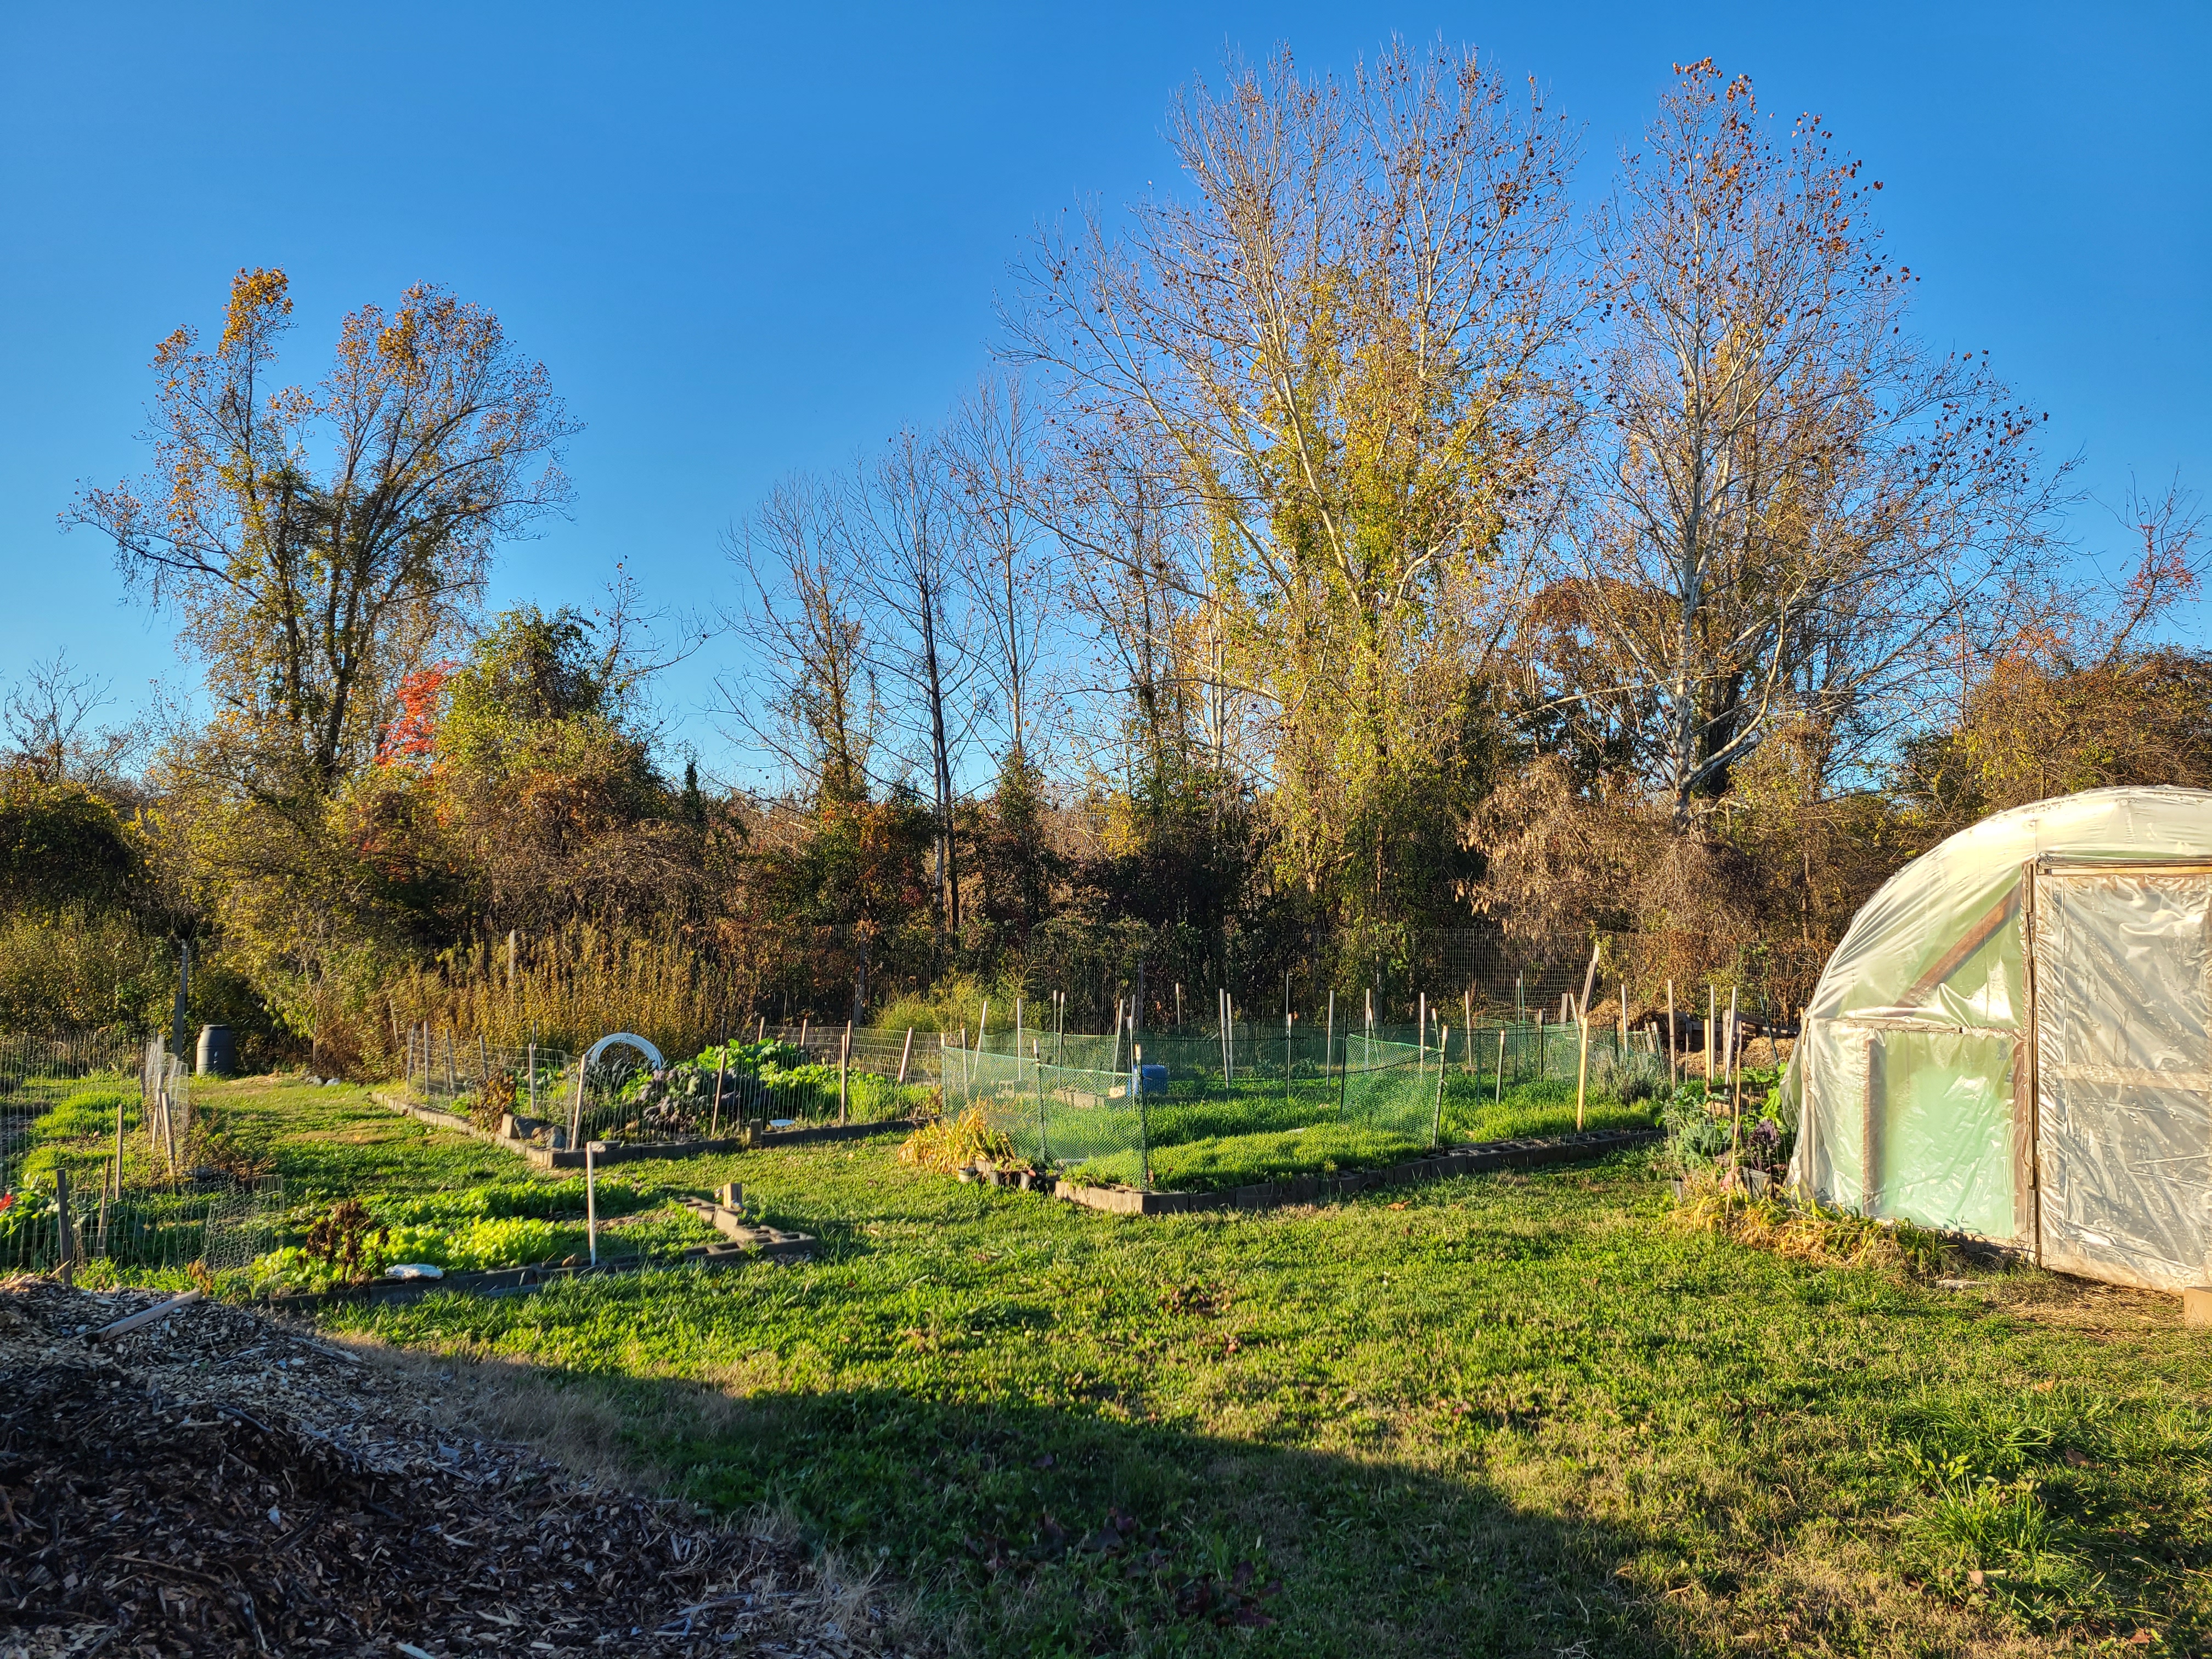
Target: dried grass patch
x=1806 y=1231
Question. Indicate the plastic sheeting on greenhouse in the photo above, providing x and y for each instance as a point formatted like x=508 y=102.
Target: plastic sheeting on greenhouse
x=2011 y=1040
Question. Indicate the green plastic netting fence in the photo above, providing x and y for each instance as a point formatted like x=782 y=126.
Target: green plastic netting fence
x=1104 y=1105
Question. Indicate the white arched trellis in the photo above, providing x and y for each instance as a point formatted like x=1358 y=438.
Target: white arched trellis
x=652 y=1055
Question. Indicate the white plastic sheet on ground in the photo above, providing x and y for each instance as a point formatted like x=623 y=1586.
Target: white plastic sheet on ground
x=1912 y=1055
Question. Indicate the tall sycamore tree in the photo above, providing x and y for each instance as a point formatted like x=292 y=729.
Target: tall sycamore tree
x=1338 y=342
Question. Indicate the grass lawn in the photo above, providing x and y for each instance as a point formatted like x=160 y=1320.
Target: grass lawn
x=1520 y=1415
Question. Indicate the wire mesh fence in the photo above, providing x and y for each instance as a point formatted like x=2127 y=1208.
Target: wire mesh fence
x=905 y=1056
x=622 y=1100
x=100 y=1154
x=1106 y=1105
x=214 y=1221
x=769 y=1077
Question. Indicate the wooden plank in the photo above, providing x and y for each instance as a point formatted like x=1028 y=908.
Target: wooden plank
x=2031 y=1052
x=145 y=1316
x=1866 y=1132
x=1962 y=948
x=2092 y=869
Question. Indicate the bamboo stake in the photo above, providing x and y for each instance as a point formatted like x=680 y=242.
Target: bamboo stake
x=1735 y=1085
x=904 y=1053
x=1712 y=1014
x=1673 y=1066
x=1499 y=1097
x=1467 y=1009
x=845 y=1073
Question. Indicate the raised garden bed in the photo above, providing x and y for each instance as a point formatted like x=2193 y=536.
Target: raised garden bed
x=770 y=1243
x=618 y=1151
x=1325 y=1189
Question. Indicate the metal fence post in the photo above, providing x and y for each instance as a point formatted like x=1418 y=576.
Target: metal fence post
x=591 y=1205
x=1144 y=1129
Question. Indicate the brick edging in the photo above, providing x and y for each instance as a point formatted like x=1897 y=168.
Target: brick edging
x=1321 y=1189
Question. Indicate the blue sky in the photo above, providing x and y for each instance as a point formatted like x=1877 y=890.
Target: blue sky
x=746 y=240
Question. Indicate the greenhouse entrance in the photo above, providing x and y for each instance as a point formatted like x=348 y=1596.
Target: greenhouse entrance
x=2012 y=1040
x=2124 y=1065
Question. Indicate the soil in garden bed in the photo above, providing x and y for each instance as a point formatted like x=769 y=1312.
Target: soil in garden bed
x=218 y=1483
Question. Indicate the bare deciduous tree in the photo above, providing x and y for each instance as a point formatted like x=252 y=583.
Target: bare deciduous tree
x=992 y=454
x=816 y=708
x=48 y=719
x=904 y=521
x=1785 y=501
x=308 y=591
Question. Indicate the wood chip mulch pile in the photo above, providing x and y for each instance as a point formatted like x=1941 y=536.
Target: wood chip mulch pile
x=218 y=1483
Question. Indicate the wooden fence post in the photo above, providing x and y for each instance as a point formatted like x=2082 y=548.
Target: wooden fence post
x=721 y=1070
x=1581 y=1067
x=845 y=1074
x=1443 y=1047
x=905 y=1053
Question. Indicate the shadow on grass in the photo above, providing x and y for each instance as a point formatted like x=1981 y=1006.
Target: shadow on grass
x=1031 y=1530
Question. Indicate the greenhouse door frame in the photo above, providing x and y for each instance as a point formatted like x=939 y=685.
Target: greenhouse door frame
x=2034 y=874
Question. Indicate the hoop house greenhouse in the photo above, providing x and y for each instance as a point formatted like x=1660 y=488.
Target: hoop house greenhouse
x=2011 y=1040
